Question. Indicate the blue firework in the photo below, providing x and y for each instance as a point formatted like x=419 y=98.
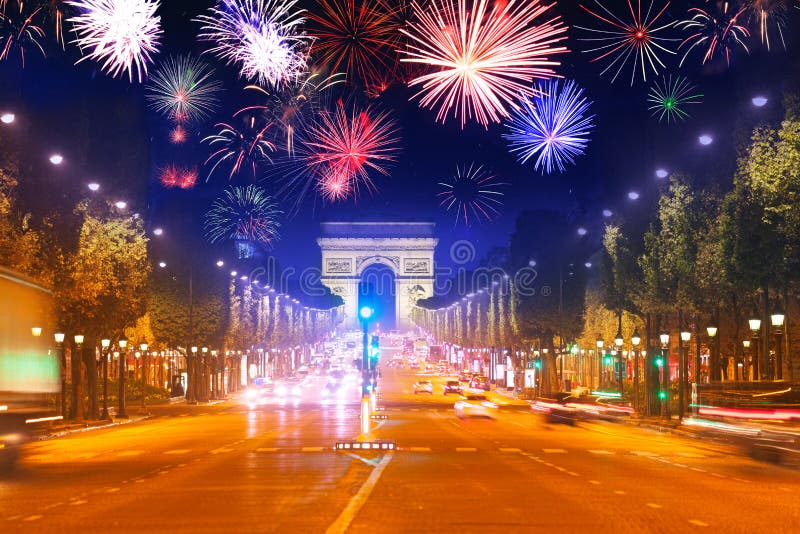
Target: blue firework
x=553 y=126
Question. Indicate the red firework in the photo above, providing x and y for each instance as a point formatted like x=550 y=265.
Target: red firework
x=176 y=176
x=343 y=147
x=178 y=135
x=356 y=37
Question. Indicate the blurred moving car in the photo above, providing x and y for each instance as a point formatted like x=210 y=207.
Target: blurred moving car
x=479 y=382
x=567 y=408
x=259 y=392
x=472 y=405
x=451 y=386
x=423 y=386
x=464 y=376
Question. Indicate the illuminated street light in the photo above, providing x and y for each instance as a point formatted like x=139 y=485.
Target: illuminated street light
x=93 y=186
x=220 y=263
x=532 y=263
x=759 y=101
x=582 y=231
x=162 y=264
x=588 y=265
x=365 y=312
x=36 y=331
x=7 y=118
x=78 y=339
x=607 y=213
x=705 y=139
x=662 y=173
x=121 y=204
x=777 y=319
x=56 y=159
x=633 y=195
x=158 y=231
x=233 y=274
x=59 y=337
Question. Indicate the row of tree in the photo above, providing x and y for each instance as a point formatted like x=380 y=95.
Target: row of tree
x=713 y=254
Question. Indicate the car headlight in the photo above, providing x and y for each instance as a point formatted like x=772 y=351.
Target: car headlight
x=296 y=390
x=251 y=394
x=280 y=390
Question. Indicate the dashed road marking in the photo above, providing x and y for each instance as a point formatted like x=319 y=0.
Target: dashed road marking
x=718 y=475
x=342 y=522
x=654 y=505
x=419 y=449
x=129 y=453
x=554 y=451
x=112 y=490
x=619 y=492
x=680 y=465
x=466 y=449
x=600 y=451
x=698 y=523
x=33 y=517
x=266 y=449
x=221 y=450
x=595 y=482
x=179 y=451
x=573 y=473
x=698 y=469
x=311 y=449
x=643 y=453
x=510 y=449
x=78 y=502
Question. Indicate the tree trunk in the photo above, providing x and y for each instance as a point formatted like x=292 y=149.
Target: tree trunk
x=91 y=375
x=766 y=367
x=77 y=383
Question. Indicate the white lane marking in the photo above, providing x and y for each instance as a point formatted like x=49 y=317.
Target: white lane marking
x=466 y=449
x=33 y=517
x=419 y=449
x=179 y=451
x=595 y=482
x=599 y=451
x=221 y=450
x=643 y=453
x=311 y=449
x=619 y=492
x=340 y=525
x=13 y=517
x=698 y=469
x=163 y=472
x=129 y=453
x=139 y=480
x=266 y=449
x=654 y=505
x=698 y=523
x=573 y=473
x=680 y=465
x=112 y=490
x=554 y=451
x=510 y=449
x=689 y=455
x=78 y=503
x=718 y=475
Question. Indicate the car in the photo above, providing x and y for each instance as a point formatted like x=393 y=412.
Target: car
x=560 y=408
x=464 y=376
x=258 y=393
x=423 y=386
x=452 y=386
x=473 y=405
x=479 y=382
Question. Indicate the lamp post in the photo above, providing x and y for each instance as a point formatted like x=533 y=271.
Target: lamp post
x=143 y=349
x=618 y=343
x=635 y=340
x=713 y=358
x=215 y=376
x=663 y=394
x=192 y=388
x=59 y=339
x=77 y=379
x=365 y=313
x=123 y=360
x=686 y=335
x=745 y=366
x=599 y=343
x=755 y=330
x=105 y=344
x=204 y=373
x=777 y=319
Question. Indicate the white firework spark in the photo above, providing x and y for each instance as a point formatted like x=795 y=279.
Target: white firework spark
x=264 y=38
x=121 y=35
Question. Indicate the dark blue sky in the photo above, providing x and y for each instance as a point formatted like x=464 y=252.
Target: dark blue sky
x=124 y=143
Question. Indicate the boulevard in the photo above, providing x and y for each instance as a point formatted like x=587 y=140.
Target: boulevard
x=227 y=468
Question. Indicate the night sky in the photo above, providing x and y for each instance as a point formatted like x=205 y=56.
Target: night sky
x=107 y=133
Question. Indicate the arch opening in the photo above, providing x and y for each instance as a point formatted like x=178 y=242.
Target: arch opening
x=377 y=289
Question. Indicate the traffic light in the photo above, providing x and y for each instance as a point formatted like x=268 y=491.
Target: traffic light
x=659 y=361
x=374 y=351
x=607 y=359
x=662 y=395
x=537 y=363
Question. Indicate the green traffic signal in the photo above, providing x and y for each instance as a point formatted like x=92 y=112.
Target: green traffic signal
x=537 y=364
x=659 y=362
x=607 y=360
x=662 y=395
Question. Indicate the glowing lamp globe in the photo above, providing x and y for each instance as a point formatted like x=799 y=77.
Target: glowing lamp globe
x=365 y=312
x=705 y=139
x=759 y=101
x=7 y=118
x=662 y=173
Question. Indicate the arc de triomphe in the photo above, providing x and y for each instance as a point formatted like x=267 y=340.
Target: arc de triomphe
x=348 y=248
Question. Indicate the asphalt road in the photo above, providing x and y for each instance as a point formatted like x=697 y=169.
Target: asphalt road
x=226 y=468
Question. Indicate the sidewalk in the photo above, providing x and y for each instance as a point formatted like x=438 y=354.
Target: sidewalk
x=57 y=431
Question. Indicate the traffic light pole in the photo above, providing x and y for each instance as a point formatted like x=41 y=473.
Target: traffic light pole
x=365 y=379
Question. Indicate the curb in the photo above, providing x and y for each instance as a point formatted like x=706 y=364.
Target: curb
x=89 y=428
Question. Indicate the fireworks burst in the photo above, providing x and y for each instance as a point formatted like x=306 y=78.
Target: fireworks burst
x=482 y=58
x=553 y=126
x=769 y=16
x=263 y=37
x=292 y=105
x=178 y=135
x=180 y=177
x=18 y=29
x=340 y=149
x=716 y=29
x=632 y=36
x=182 y=88
x=668 y=97
x=472 y=194
x=121 y=35
x=240 y=147
x=357 y=39
x=56 y=10
x=243 y=214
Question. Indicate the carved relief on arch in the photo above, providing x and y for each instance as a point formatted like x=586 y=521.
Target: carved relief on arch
x=363 y=262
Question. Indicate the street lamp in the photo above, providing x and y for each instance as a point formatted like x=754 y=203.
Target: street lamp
x=777 y=319
x=59 y=339
x=635 y=340
x=686 y=335
x=143 y=349
x=618 y=343
x=36 y=331
x=755 y=333
x=746 y=347
x=663 y=395
x=365 y=313
x=123 y=360
x=713 y=358
x=599 y=343
x=105 y=343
